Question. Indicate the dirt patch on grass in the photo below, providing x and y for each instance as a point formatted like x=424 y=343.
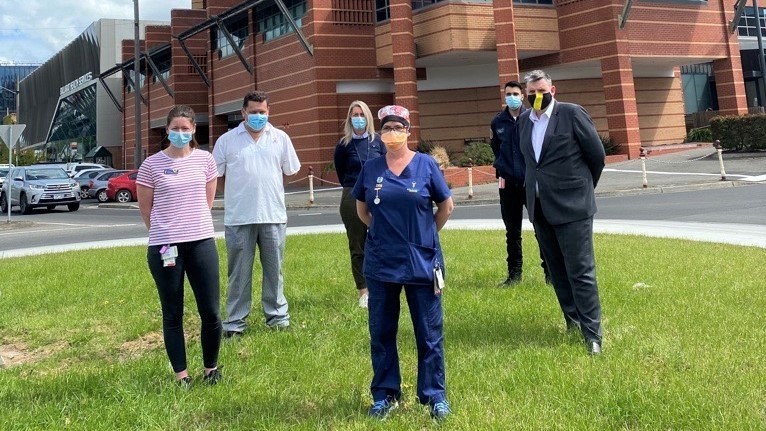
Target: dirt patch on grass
x=134 y=348
x=18 y=353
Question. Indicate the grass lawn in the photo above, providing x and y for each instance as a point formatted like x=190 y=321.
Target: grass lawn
x=685 y=344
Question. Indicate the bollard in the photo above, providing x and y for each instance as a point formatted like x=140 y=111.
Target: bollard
x=311 y=185
x=470 y=179
x=719 y=149
x=643 y=168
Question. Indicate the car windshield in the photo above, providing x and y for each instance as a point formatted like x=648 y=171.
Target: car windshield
x=46 y=174
x=3 y=172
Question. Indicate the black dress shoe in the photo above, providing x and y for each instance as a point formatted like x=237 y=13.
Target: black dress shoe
x=594 y=348
x=510 y=281
x=232 y=334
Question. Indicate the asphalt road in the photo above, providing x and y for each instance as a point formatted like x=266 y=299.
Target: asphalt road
x=742 y=205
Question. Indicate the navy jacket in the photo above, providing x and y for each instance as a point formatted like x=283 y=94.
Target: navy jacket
x=348 y=159
x=509 y=162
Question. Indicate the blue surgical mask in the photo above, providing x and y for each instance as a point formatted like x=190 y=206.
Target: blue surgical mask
x=359 y=123
x=179 y=139
x=513 y=102
x=257 y=121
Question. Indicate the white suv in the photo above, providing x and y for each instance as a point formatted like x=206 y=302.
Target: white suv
x=40 y=186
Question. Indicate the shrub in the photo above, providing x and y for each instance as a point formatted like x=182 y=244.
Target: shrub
x=700 y=134
x=747 y=132
x=480 y=153
x=426 y=146
x=610 y=147
x=439 y=154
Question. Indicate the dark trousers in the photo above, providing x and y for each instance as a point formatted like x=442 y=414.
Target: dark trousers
x=356 y=231
x=199 y=261
x=427 y=320
x=568 y=251
x=513 y=198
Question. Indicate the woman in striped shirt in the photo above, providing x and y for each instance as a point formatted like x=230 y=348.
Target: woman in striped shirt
x=176 y=188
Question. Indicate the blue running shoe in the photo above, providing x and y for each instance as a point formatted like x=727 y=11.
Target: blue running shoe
x=382 y=408
x=440 y=410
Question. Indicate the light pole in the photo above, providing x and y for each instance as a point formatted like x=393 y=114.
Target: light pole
x=137 y=85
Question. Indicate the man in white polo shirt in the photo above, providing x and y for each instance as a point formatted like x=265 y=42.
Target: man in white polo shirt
x=251 y=160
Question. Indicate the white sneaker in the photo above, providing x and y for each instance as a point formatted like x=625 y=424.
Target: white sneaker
x=363 y=300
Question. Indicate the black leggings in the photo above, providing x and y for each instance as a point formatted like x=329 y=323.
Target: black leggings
x=199 y=261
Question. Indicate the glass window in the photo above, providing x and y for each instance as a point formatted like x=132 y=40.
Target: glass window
x=272 y=24
x=163 y=62
x=747 y=22
x=74 y=121
x=238 y=28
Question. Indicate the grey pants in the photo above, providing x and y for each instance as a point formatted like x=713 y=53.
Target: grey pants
x=241 y=242
x=356 y=231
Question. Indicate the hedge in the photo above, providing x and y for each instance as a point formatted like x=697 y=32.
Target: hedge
x=747 y=132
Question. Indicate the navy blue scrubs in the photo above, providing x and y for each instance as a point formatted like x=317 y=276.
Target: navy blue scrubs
x=401 y=251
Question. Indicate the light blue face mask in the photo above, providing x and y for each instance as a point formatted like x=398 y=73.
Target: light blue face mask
x=179 y=139
x=513 y=102
x=359 y=123
x=257 y=121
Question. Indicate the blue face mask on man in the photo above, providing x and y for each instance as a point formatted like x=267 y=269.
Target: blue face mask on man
x=358 y=123
x=257 y=121
x=513 y=102
x=179 y=139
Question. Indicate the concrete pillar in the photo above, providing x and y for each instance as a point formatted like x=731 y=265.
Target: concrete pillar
x=620 y=100
x=405 y=74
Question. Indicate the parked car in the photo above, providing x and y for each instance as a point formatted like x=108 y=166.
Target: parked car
x=83 y=178
x=39 y=186
x=97 y=186
x=4 y=169
x=122 y=188
x=74 y=168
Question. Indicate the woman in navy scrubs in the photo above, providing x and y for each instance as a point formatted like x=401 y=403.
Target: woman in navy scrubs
x=358 y=144
x=395 y=196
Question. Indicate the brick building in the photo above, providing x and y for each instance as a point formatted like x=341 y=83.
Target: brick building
x=444 y=60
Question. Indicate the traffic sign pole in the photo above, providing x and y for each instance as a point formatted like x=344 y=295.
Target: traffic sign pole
x=7 y=133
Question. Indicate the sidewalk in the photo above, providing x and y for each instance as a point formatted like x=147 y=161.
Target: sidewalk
x=695 y=168
x=687 y=167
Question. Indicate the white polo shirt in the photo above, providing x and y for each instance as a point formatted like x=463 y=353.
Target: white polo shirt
x=254 y=191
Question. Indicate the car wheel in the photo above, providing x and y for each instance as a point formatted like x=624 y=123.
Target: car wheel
x=73 y=207
x=123 y=196
x=51 y=207
x=101 y=196
x=24 y=205
x=83 y=193
x=3 y=204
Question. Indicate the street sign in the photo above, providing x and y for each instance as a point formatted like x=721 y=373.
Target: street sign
x=10 y=134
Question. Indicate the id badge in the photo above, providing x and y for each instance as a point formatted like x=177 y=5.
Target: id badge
x=169 y=255
x=438 y=281
x=500 y=183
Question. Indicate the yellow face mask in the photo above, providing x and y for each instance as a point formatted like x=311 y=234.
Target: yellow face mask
x=394 y=140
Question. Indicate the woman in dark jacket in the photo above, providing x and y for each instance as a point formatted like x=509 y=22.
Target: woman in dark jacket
x=358 y=145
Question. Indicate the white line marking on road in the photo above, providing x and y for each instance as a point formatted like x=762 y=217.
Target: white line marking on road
x=673 y=173
x=755 y=179
x=87 y=225
x=309 y=214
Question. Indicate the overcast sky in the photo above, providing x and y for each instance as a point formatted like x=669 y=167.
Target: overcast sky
x=32 y=31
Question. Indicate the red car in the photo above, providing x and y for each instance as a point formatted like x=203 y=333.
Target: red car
x=122 y=188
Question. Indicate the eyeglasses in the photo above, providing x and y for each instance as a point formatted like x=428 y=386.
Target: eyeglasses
x=397 y=129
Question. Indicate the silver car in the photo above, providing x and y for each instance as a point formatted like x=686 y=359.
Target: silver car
x=34 y=186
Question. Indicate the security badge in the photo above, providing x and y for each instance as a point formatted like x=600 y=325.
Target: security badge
x=378 y=186
x=171 y=172
x=169 y=254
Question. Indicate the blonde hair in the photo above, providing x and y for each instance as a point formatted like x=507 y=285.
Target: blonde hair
x=348 y=130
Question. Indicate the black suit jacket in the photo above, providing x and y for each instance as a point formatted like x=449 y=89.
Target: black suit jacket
x=570 y=164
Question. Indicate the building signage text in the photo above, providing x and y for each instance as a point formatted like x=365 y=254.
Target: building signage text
x=76 y=83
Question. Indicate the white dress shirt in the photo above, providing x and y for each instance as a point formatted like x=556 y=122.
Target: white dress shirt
x=539 y=125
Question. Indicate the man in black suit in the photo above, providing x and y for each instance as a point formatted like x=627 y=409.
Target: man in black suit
x=564 y=158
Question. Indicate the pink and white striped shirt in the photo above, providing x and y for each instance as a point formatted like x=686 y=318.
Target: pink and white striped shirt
x=179 y=212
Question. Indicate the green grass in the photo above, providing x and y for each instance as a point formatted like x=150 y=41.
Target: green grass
x=684 y=352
